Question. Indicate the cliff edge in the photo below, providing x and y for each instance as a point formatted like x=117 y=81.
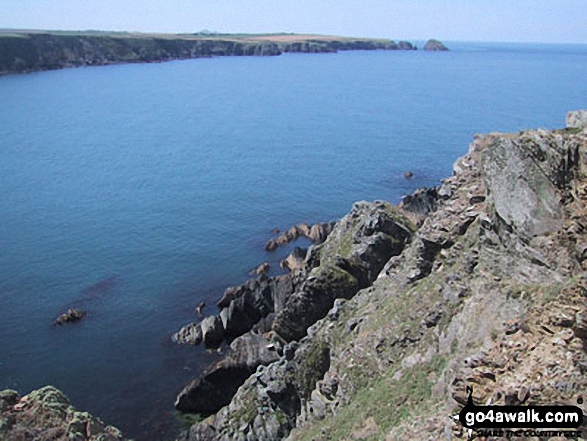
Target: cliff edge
x=26 y=51
x=487 y=289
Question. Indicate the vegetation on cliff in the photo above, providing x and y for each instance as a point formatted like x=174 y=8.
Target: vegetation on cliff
x=37 y=50
x=489 y=291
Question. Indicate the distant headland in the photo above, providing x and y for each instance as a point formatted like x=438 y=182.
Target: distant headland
x=33 y=50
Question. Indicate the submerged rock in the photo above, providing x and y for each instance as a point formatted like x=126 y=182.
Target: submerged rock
x=71 y=316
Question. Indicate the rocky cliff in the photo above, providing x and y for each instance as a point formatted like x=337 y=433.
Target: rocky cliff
x=480 y=282
x=46 y=414
x=32 y=51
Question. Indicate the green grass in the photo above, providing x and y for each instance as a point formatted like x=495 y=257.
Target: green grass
x=389 y=402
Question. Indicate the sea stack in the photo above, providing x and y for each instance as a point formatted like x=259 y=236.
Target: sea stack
x=435 y=45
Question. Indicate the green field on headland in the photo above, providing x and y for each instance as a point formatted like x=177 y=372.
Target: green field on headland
x=26 y=51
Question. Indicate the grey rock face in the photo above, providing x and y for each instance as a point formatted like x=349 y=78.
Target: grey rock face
x=216 y=387
x=577 y=119
x=525 y=175
x=483 y=292
x=350 y=259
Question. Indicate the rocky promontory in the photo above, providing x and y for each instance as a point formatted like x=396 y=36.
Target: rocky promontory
x=46 y=414
x=26 y=51
x=481 y=281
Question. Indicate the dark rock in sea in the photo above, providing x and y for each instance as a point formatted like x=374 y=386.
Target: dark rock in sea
x=261 y=269
x=435 y=45
x=408 y=174
x=271 y=245
x=71 y=316
x=189 y=335
x=317 y=233
x=406 y=45
x=200 y=308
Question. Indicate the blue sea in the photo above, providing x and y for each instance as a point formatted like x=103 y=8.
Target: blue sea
x=137 y=191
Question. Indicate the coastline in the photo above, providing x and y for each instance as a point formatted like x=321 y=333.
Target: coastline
x=28 y=51
x=411 y=315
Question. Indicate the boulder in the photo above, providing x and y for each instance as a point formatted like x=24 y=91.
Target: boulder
x=295 y=260
x=212 y=331
x=577 y=119
x=71 y=316
x=190 y=335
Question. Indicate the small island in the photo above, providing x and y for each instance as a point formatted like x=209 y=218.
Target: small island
x=435 y=46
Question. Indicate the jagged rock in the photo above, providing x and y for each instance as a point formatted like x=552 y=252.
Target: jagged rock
x=317 y=233
x=272 y=245
x=481 y=295
x=212 y=331
x=577 y=119
x=434 y=45
x=216 y=387
x=47 y=414
x=72 y=315
x=262 y=269
x=350 y=259
x=295 y=260
x=525 y=175
x=190 y=334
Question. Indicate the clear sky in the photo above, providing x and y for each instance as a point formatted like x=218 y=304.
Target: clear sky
x=555 y=21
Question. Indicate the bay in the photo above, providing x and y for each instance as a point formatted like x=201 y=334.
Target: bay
x=137 y=191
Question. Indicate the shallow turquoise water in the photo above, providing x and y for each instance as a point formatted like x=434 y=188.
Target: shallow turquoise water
x=136 y=191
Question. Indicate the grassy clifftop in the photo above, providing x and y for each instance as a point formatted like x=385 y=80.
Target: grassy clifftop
x=26 y=51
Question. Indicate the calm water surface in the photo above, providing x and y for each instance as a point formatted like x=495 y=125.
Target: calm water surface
x=136 y=191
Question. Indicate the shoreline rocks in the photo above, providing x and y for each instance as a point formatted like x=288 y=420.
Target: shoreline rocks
x=285 y=306
x=317 y=233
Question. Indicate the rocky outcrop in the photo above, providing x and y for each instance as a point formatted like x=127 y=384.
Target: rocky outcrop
x=296 y=260
x=435 y=45
x=46 y=414
x=317 y=233
x=286 y=306
x=484 y=293
x=71 y=316
x=577 y=119
x=32 y=51
x=216 y=387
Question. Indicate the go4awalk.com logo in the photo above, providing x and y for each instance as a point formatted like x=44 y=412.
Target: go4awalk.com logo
x=520 y=421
